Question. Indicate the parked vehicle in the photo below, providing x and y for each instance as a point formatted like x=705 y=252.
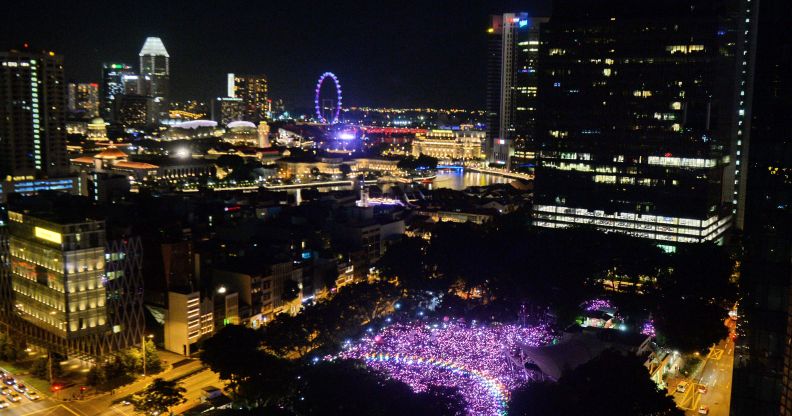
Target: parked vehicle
x=682 y=386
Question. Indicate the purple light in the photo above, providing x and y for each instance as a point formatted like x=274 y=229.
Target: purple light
x=648 y=329
x=597 y=305
x=346 y=136
x=316 y=97
x=478 y=360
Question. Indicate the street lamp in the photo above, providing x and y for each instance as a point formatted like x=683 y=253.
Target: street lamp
x=143 y=350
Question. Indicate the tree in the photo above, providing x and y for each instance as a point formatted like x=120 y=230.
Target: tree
x=255 y=377
x=405 y=261
x=96 y=375
x=231 y=162
x=610 y=384
x=324 y=390
x=153 y=362
x=291 y=289
x=159 y=397
x=693 y=296
x=344 y=169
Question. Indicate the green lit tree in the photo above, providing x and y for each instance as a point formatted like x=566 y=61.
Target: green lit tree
x=159 y=397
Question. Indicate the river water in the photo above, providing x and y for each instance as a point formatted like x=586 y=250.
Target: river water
x=459 y=180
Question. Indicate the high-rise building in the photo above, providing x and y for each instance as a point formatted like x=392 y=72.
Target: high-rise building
x=252 y=89
x=512 y=85
x=32 y=115
x=112 y=88
x=227 y=109
x=65 y=287
x=83 y=100
x=643 y=125
x=762 y=382
x=136 y=111
x=131 y=84
x=155 y=74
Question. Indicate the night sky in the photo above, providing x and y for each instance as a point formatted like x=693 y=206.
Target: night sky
x=386 y=53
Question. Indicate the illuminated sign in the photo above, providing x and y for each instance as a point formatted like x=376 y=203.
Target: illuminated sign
x=48 y=235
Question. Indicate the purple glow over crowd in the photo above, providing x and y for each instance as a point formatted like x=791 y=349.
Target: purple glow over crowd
x=478 y=360
x=648 y=329
x=597 y=305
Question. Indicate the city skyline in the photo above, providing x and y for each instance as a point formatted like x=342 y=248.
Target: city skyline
x=404 y=60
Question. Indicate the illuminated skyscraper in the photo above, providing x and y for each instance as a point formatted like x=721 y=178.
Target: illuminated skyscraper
x=512 y=86
x=155 y=74
x=644 y=116
x=83 y=100
x=252 y=89
x=762 y=383
x=112 y=88
x=32 y=115
x=227 y=109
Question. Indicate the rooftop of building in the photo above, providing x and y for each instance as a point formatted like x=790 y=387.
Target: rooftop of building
x=154 y=46
x=55 y=207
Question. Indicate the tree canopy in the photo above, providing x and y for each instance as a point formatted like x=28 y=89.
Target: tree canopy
x=610 y=384
x=159 y=397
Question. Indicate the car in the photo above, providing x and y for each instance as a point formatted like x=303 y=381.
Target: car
x=682 y=386
x=9 y=381
x=32 y=395
x=5 y=390
x=14 y=397
x=3 y=404
x=703 y=410
x=20 y=387
x=701 y=388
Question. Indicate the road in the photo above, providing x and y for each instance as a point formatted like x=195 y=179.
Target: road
x=716 y=375
x=102 y=405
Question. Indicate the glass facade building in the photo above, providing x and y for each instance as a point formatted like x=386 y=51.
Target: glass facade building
x=253 y=90
x=32 y=115
x=642 y=124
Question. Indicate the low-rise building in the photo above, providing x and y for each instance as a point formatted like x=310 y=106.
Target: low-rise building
x=455 y=145
x=187 y=319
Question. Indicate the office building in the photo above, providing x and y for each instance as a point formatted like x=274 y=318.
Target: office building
x=155 y=75
x=227 y=109
x=643 y=125
x=112 y=88
x=511 y=85
x=131 y=84
x=32 y=115
x=252 y=89
x=136 y=111
x=83 y=100
x=67 y=288
x=762 y=381
x=74 y=185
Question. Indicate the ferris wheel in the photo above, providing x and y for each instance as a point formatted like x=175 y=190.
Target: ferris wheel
x=327 y=109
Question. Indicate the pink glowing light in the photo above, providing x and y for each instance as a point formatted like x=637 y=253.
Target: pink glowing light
x=478 y=360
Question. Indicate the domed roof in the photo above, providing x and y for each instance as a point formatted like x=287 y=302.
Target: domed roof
x=195 y=124
x=97 y=120
x=240 y=124
x=111 y=153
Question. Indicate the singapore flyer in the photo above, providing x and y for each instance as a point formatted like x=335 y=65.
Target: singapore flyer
x=326 y=110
